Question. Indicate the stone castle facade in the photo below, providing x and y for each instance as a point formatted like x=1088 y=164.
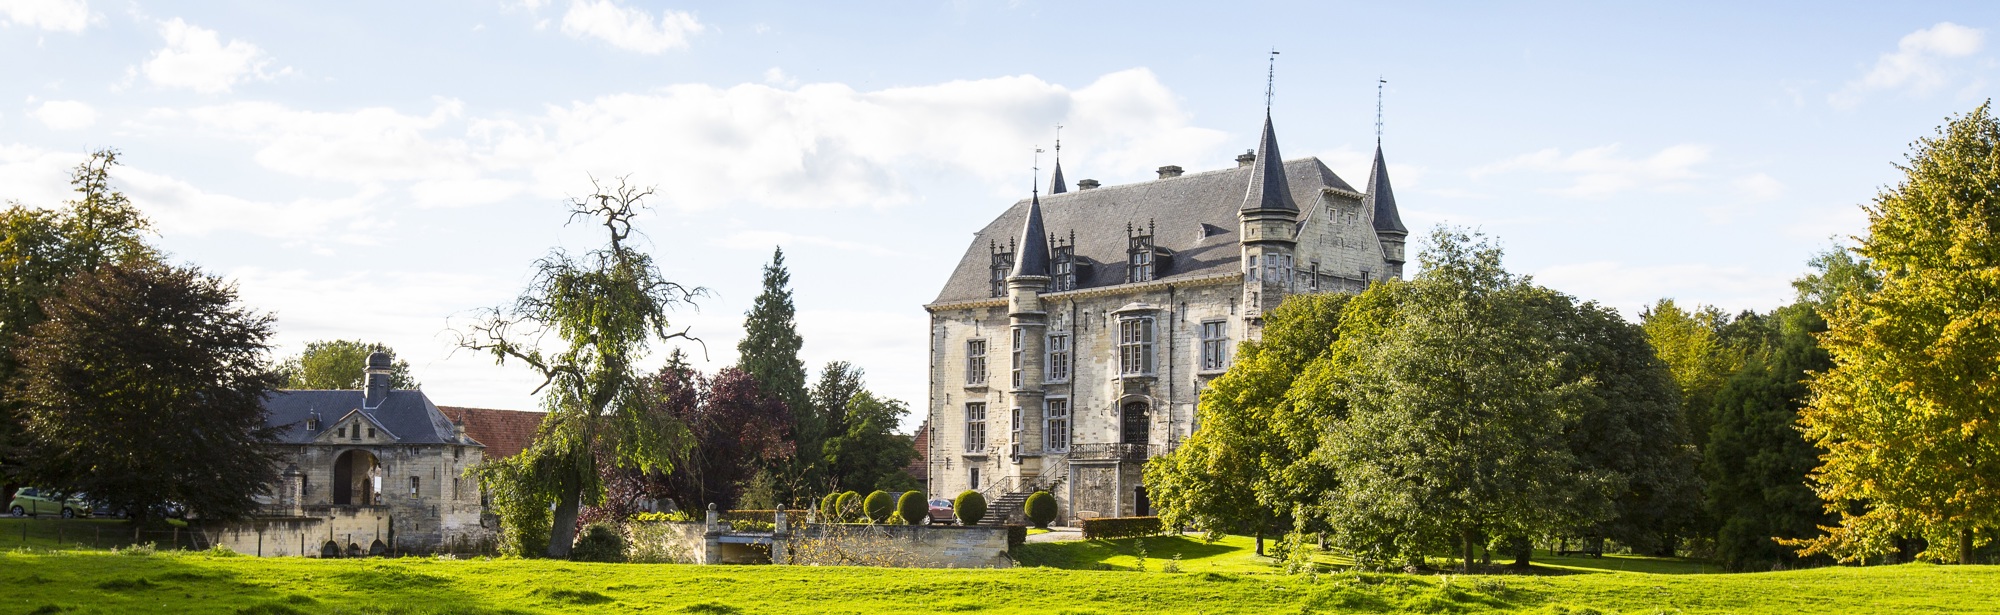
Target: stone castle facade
x=1074 y=338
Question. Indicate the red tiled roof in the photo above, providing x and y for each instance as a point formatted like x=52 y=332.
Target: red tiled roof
x=504 y=432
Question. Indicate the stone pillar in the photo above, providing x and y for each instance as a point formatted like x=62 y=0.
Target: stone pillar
x=711 y=552
x=781 y=538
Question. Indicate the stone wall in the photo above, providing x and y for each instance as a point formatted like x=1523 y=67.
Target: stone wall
x=352 y=529
x=900 y=546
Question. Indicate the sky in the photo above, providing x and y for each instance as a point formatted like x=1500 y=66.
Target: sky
x=382 y=170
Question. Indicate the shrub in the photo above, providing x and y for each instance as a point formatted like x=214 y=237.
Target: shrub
x=1040 y=509
x=829 y=508
x=599 y=543
x=678 y=516
x=1017 y=535
x=1122 y=527
x=850 y=507
x=913 y=507
x=970 y=507
x=878 y=506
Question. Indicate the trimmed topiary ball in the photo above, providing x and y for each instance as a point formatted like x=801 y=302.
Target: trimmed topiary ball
x=599 y=543
x=829 y=508
x=970 y=507
x=1040 y=509
x=878 y=506
x=913 y=507
x=850 y=507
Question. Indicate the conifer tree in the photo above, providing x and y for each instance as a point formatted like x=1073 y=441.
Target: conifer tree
x=769 y=352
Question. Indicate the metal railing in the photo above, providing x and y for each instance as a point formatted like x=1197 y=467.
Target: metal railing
x=1119 y=450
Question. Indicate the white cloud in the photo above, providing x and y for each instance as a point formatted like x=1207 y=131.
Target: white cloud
x=196 y=58
x=65 y=114
x=776 y=76
x=35 y=177
x=1918 y=65
x=1630 y=287
x=54 y=15
x=631 y=29
x=1758 y=187
x=1600 y=171
x=820 y=145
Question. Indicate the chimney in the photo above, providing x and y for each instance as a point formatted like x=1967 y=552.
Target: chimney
x=376 y=387
x=1170 y=171
x=1086 y=184
x=1248 y=158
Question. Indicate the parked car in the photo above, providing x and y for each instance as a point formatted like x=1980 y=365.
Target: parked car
x=941 y=512
x=30 y=501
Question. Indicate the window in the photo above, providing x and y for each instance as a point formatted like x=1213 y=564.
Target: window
x=1140 y=266
x=1286 y=262
x=1014 y=361
x=371 y=432
x=975 y=427
x=1271 y=269
x=972 y=478
x=1003 y=262
x=1250 y=267
x=975 y=362
x=455 y=493
x=340 y=433
x=1058 y=367
x=1016 y=428
x=1135 y=346
x=1055 y=426
x=458 y=452
x=312 y=423
x=413 y=485
x=1214 y=345
x=1065 y=269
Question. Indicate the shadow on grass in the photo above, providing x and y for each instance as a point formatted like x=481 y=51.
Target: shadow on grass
x=1099 y=554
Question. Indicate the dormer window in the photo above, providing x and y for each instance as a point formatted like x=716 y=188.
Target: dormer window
x=1062 y=271
x=340 y=433
x=312 y=423
x=1003 y=263
x=1140 y=261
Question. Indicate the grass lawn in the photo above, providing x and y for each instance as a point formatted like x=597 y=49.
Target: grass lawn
x=65 y=534
x=1219 y=578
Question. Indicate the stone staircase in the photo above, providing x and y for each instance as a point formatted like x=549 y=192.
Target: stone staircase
x=1008 y=508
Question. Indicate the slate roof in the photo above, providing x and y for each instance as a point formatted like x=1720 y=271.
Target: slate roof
x=504 y=432
x=1386 y=218
x=1056 y=185
x=407 y=414
x=1033 y=257
x=1195 y=216
x=1267 y=188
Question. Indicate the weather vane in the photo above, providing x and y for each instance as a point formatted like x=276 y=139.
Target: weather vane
x=1379 y=82
x=1271 y=81
x=1034 y=181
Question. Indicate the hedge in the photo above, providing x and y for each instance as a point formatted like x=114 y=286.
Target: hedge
x=1122 y=527
x=1017 y=535
x=1040 y=509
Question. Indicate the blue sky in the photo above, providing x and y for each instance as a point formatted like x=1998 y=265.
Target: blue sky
x=377 y=170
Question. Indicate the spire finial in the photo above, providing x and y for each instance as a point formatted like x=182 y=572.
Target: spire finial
x=1271 y=81
x=1379 y=82
x=1034 y=182
x=1058 y=142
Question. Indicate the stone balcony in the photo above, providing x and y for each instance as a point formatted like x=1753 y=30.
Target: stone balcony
x=1114 y=452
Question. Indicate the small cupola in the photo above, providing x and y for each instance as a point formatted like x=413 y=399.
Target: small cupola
x=376 y=384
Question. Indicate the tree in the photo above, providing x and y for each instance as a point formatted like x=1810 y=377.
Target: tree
x=1457 y=417
x=146 y=385
x=606 y=308
x=734 y=431
x=1756 y=463
x=42 y=248
x=339 y=365
x=1691 y=345
x=838 y=383
x=870 y=455
x=1908 y=413
x=769 y=352
x=1260 y=425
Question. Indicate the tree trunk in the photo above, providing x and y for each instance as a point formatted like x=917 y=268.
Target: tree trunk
x=1965 y=545
x=563 y=534
x=1466 y=539
x=1260 y=542
x=1523 y=549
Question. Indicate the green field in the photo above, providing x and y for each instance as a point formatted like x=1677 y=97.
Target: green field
x=1218 y=578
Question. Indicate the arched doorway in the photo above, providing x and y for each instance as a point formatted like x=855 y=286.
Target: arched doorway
x=356 y=479
x=1142 y=506
x=1136 y=427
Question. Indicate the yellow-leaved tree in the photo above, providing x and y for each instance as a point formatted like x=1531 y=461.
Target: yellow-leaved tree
x=1909 y=416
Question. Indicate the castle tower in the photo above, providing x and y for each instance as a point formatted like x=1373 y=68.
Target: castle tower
x=1027 y=329
x=1388 y=223
x=376 y=383
x=1269 y=219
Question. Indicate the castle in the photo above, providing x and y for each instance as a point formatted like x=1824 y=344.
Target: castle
x=1072 y=341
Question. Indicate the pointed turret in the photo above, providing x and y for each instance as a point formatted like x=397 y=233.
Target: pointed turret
x=1032 y=259
x=1056 y=185
x=1268 y=188
x=1387 y=220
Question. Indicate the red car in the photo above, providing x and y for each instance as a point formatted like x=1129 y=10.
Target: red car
x=941 y=512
